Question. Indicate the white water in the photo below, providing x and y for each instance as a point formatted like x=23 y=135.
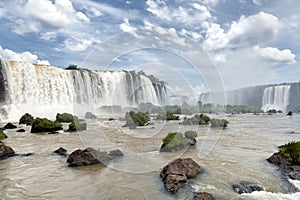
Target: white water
x=45 y=90
x=276 y=97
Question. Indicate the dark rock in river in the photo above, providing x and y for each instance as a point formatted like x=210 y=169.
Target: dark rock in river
x=26 y=119
x=21 y=130
x=91 y=156
x=203 y=196
x=61 y=151
x=90 y=115
x=175 y=174
x=5 y=151
x=111 y=119
x=246 y=187
x=10 y=126
x=45 y=125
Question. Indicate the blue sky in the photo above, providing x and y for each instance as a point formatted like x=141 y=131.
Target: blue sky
x=250 y=42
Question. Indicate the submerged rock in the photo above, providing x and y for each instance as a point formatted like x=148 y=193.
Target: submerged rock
x=91 y=156
x=10 y=126
x=246 y=187
x=61 y=151
x=203 y=196
x=5 y=151
x=21 y=130
x=175 y=174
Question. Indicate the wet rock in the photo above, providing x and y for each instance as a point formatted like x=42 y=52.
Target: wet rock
x=10 y=126
x=54 y=132
x=5 y=151
x=111 y=119
x=26 y=119
x=61 y=151
x=91 y=156
x=25 y=154
x=21 y=130
x=45 y=125
x=90 y=115
x=175 y=174
x=203 y=196
x=246 y=187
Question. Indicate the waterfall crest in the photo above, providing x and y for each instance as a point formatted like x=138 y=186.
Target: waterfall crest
x=46 y=90
x=276 y=97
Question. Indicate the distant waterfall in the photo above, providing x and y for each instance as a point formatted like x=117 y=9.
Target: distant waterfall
x=276 y=97
x=46 y=90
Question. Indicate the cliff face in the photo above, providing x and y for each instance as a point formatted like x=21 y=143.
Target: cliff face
x=294 y=103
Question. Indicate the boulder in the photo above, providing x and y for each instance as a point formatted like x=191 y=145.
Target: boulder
x=246 y=187
x=175 y=174
x=111 y=119
x=10 y=126
x=45 y=125
x=61 y=151
x=21 y=130
x=5 y=151
x=2 y=135
x=64 y=117
x=90 y=156
x=76 y=125
x=89 y=115
x=26 y=119
x=203 y=196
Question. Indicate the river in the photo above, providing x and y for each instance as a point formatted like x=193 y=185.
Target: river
x=228 y=156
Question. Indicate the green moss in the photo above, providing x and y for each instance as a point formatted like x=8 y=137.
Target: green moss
x=77 y=126
x=2 y=135
x=201 y=119
x=219 y=123
x=138 y=119
x=168 y=116
x=291 y=151
x=190 y=134
x=26 y=119
x=173 y=140
x=64 y=117
x=45 y=125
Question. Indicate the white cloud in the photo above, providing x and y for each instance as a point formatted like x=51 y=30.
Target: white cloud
x=74 y=44
x=275 y=55
x=126 y=27
x=25 y=56
x=257 y=2
x=215 y=37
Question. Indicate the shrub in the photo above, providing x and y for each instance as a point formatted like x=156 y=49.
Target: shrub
x=219 y=123
x=190 y=134
x=64 y=117
x=2 y=135
x=291 y=151
x=26 y=119
x=45 y=125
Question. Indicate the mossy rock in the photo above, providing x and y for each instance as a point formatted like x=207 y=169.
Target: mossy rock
x=76 y=125
x=90 y=115
x=64 y=117
x=136 y=119
x=168 y=116
x=26 y=119
x=291 y=151
x=222 y=123
x=190 y=134
x=201 y=119
x=174 y=142
x=45 y=125
x=2 y=135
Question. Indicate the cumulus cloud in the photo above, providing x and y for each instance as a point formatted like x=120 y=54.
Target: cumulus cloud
x=126 y=27
x=275 y=55
x=74 y=44
x=25 y=56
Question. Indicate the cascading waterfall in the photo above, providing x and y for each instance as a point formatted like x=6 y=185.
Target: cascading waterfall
x=276 y=97
x=45 y=90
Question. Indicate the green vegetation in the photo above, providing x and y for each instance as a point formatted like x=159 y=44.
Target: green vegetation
x=26 y=119
x=173 y=140
x=90 y=115
x=2 y=135
x=136 y=119
x=72 y=67
x=219 y=123
x=45 y=125
x=76 y=125
x=64 y=117
x=201 y=119
x=169 y=116
x=291 y=151
x=190 y=134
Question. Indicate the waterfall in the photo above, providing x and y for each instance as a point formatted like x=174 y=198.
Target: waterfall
x=45 y=90
x=276 y=97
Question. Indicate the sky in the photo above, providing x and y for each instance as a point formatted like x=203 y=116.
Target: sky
x=245 y=42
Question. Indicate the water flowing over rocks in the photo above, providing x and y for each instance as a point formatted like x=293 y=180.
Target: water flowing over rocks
x=175 y=174
x=246 y=187
x=90 y=156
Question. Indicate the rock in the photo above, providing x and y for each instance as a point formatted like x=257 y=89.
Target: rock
x=89 y=115
x=64 y=117
x=5 y=151
x=26 y=119
x=45 y=125
x=21 y=130
x=290 y=113
x=10 y=126
x=91 y=156
x=2 y=135
x=279 y=160
x=61 y=151
x=111 y=119
x=176 y=141
x=246 y=187
x=203 y=196
x=25 y=154
x=76 y=125
x=175 y=174
x=54 y=132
